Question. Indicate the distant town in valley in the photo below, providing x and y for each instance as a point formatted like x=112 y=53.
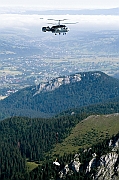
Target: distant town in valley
x=59 y=90
x=27 y=60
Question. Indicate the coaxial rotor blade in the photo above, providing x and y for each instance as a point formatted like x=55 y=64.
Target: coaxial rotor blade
x=72 y=23
x=51 y=19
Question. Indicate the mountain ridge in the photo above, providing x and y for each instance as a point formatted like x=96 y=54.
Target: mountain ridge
x=62 y=93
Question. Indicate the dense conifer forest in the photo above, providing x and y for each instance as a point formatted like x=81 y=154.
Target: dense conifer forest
x=23 y=138
x=31 y=140
x=26 y=140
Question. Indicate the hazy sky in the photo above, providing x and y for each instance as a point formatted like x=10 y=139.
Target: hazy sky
x=63 y=4
x=13 y=17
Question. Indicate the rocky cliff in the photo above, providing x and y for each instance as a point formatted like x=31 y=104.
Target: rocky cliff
x=105 y=167
x=57 y=82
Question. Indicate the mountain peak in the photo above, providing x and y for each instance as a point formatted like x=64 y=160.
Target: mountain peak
x=64 y=80
x=63 y=93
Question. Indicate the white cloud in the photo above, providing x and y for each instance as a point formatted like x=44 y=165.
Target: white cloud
x=84 y=21
x=17 y=20
x=95 y=22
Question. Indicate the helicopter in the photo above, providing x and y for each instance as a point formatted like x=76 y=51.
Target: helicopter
x=57 y=29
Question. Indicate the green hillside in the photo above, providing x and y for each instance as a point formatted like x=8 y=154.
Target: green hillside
x=36 y=140
x=61 y=94
x=88 y=132
x=28 y=143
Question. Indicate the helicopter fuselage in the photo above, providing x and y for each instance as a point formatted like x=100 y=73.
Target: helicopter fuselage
x=56 y=29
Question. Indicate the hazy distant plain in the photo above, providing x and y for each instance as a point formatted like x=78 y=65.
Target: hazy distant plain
x=29 y=56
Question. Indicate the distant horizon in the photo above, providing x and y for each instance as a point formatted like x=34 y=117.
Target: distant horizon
x=9 y=9
x=27 y=17
x=56 y=9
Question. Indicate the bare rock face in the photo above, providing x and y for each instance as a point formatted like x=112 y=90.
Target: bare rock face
x=108 y=167
x=56 y=83
x=74 y=166
x=59 y=81
x=92 y=163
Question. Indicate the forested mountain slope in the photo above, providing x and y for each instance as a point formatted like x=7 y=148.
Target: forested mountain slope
x=23 y=138
x=107 y=107
x=60 y=94
x=39 y=140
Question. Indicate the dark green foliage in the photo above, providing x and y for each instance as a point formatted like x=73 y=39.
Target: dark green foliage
x=23 y=138
x=13 y=164
x=49 y=171
x=32 y=139
x=108 y=107
x=94 y=87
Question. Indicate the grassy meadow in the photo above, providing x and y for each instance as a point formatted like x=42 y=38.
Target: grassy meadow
x=88 y=132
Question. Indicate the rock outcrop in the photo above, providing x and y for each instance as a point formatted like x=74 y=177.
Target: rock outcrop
x=74 y=166
x=106 y=167
x=57 y=82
